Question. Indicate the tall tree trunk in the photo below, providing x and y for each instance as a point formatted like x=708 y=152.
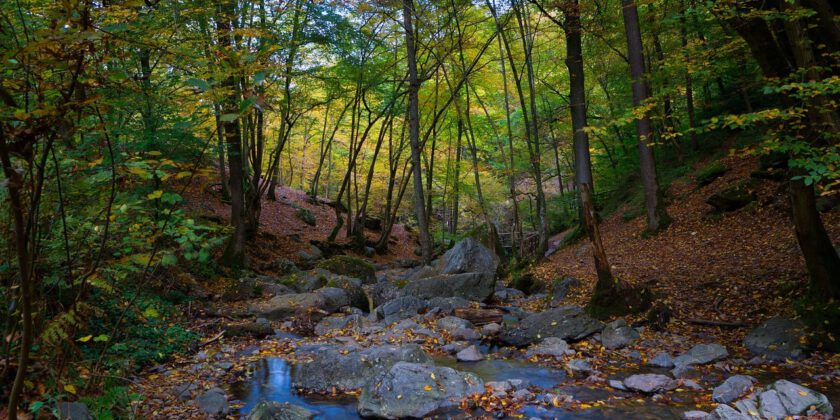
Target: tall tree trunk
x=689 y=88
x=234 y=254
x=220 y=134
x=414 y=131
x=657 y=217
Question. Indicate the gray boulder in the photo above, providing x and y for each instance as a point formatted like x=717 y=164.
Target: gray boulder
x=701 y=354
x=725 y=412
x=309 y=256
x=550 y=346
x=469 y=354
x=73 y=411
x=507 y=294
x=400 y=308
x=334 y=298
x=272 y=410
x=579 y=367
x=213 y=402
x=469 y=256
x=733 y=388
x=330 y=368
x=798 y=400
x=618 y=334
x=341 y=322
x=412 y=390
x=663 y=360
x=452 y=323
x=281 y=307
x=470 y=286
x=777 y=339
x=448 y=305
x=649 y=383
x=382 y=292
x=566 y=322
x=249 y=329
x=695 y=415
x=770 y=405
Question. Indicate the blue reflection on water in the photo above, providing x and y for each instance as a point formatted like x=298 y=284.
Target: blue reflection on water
x=272 y=381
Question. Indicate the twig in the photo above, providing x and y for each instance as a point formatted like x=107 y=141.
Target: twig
x=711 y=322
x=212 y=340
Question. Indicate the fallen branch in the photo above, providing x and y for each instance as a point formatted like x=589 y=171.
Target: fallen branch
x=713 y=323
x=212 y=340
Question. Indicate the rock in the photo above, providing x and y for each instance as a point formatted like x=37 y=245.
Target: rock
x=184 y=391
x=733 y=388
x=508 y=294
x=567 y=323
x=561 y=288
x=770 y=406
x=342 y=322
x=748 y=408
x=499 y=386
x=355 y=291
x=491 y=329
x=469 y=354
x=382 y=291
x=725 y=412
x=470 y=286
x=649 y=383
x=451 y=323
x=523 y=395
x=305 y=216
x=449 y=304
x=468 y=334
x=550 y=346
x=469 y=256
x=334 y=298
x=240 y=289
x=400 y=308
x=281 y=307
x=798 y=400
x=351 y=267
x=330 y=368
x=249 y=329
x=709 y=173
x=658 y=316
x=213 y=402
x=663 y=360
x=732 y=198
x=619 y=385
x=777 y=339
x=695 y=415
x=618 y=334
x=275 y=289
x=282 y=266
x=272 y=410
x=409 y=390
x=73 y=411
x=579 y=367
x=701 y=354
x=455 y=347
x=308 y=257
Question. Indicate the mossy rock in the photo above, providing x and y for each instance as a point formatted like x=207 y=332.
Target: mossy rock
x=733 y=197
x=350 y=266
x=306 y=216
x=709 y=173
x=353 y=287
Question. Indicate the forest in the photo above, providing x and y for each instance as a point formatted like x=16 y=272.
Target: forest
x=340 y=209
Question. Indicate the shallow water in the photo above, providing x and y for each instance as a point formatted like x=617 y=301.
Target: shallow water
x=272 y=381
x=501 y=370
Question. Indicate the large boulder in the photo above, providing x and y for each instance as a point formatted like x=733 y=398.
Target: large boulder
x=272 y=410
x=798 y=400
x=73 y=411
x=469 y=256
x=733 y=388
x=351 y=267
x=334 y=298
x=341 y=322
x=348 y=369
x=412 y=390
x=400 y=308
x=618 y=334
x=471 y=286
x=285 y=306
x=355 y=291
x=570 y=323
x=733 y=197
x=550 y=346
x=778 y=339
x=382 y=292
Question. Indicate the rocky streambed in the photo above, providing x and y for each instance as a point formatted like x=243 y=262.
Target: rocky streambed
x=445 y=340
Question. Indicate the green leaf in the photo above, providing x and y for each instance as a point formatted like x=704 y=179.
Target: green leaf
x=155 y=195
x=100 y=338
x=169 y=259
x=229 y=117
x=151 y=312
x=198 y=83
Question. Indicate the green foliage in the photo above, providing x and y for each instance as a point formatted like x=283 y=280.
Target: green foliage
x=114 y=403
x=709 y=173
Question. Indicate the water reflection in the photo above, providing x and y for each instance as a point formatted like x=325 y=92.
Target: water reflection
x=272 y=382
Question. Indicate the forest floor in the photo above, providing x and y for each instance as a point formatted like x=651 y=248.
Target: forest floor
x=739 y=268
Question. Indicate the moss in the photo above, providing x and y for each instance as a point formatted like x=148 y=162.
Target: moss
x=350 y=266
x=709 y=173
x=306 y=216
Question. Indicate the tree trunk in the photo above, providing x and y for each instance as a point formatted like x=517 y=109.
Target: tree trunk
x=689 y=89
x=234 y=254
x=414 y=132
x=657 y=217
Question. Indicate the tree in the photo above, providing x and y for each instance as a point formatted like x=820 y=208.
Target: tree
x=657 y=216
